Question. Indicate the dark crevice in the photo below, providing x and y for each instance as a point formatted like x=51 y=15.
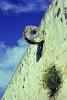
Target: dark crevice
x=65 y=12
x=39 y=51
x=61 y=20
x=24 y=79
x=23 y=86
x=58 y=12
x=56 y=3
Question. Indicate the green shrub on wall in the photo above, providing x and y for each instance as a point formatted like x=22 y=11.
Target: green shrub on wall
x=52 y=80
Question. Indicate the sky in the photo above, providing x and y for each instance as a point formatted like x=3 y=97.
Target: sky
x=14 y=16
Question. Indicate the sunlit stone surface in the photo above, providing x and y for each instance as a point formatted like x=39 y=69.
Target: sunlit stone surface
x=26 y=83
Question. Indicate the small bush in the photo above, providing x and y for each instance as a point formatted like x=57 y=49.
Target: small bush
x=52 y=80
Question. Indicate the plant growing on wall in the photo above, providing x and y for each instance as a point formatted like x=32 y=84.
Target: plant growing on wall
x=52 y=80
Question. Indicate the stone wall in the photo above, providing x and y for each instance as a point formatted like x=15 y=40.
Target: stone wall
x=27 y=82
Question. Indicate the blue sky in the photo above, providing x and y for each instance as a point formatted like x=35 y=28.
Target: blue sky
x=14 y=16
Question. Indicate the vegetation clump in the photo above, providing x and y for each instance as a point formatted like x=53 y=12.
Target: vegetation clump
x=52 y=80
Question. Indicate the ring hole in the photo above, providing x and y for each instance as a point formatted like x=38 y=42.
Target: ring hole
x=33 y=32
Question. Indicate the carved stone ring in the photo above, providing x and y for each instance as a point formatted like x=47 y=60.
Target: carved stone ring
x=32 y=35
